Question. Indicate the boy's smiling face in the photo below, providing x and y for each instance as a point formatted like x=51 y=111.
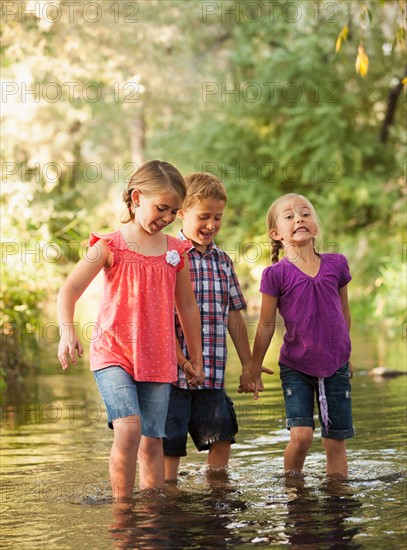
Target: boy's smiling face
x=201 y=221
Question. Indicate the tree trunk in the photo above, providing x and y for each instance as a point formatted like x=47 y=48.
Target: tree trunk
x=391 y=109
x=137 y=131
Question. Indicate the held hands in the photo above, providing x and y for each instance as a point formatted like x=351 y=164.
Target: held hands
x=193 y=373
x=252 y=383
x=66 y=350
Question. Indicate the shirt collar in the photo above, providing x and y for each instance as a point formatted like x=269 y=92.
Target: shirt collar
x=211 y=246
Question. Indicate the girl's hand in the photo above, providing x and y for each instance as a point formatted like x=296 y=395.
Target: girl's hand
x=350 y=368
x=66 y=349
x=194 y=374
x=250 y=383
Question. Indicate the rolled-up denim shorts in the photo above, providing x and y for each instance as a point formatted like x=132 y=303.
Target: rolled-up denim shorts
x=208 y=415
x=299 y=392
x=125 y=397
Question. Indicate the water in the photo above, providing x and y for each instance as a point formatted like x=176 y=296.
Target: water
x=56 y=493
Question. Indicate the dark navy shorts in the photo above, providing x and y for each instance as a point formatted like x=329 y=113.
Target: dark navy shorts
x=208 y=415
x=300 y=390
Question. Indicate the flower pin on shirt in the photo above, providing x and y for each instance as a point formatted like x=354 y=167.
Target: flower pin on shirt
x=173 y=258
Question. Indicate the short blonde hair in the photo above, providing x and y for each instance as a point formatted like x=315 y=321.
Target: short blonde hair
x=154 y=177
x=272 y=216
x=202 y=186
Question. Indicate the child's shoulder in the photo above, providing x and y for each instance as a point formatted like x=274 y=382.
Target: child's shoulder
x=180 y=245
x=332 y=255
x=112 y=237
x=334 y=258
x=276 y=273
x=277 y=267
x=221 y=253
x=221 y=257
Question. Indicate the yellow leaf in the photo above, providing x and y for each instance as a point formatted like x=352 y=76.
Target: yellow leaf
x=345 y=32
x=404 y=81
x=343 y=35
x=362 y=62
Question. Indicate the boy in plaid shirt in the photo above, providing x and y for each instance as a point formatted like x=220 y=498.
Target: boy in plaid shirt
x=206 y=412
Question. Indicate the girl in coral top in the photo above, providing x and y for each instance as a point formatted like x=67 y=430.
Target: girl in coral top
x=310 y=291
x=133 y=349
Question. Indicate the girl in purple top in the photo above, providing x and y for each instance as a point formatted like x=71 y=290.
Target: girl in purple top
x=310 y=292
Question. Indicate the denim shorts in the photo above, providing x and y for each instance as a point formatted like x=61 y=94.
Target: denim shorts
x=299 y=392
x=208 y=415
x=124 y=397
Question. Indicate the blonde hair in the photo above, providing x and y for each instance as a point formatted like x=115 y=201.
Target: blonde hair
x=154 y=177
x=272 y=216
x=201 y=186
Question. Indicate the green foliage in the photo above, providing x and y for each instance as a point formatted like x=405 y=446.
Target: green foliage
x=24 y=285
x=262 y=100
x=290 y=114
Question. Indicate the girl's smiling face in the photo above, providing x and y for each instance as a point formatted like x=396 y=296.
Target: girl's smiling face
x=155 y=212
x=295 y=223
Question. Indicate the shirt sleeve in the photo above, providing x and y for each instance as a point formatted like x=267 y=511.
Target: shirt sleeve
x=344 y=274
x=236 y=298
x=94 y=238
x=269 y=283
x=182 y=247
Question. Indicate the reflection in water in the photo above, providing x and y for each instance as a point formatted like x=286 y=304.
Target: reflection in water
x=55 y=484
x=322 y=518
x=176 y=518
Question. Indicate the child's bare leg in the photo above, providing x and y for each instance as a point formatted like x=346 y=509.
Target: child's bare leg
x=297 y=448
x=122 y=463
x=151 y=460
x=336 y=460
x=171 y=467
x=219 y=453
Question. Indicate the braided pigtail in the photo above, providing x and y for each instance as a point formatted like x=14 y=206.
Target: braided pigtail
x=276 y=246
x=128 y=215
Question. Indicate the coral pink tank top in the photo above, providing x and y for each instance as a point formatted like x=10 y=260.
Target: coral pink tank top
x=135 y=325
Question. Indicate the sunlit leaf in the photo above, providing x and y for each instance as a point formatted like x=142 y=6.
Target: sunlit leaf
x=343 y=35
x=362 y=62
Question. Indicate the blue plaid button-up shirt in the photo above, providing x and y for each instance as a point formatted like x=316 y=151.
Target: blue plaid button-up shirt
x=217 y=290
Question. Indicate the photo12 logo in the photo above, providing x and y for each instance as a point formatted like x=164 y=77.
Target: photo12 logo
x=293 y=172
x=52 y=172
x=71 y=92
x=68 y=11
x=270 y=11
x=268 y=92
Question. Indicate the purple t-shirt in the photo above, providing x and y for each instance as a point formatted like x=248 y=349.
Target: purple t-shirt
x=316 y=341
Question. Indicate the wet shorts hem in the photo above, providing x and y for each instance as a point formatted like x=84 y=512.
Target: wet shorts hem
x=339 y=435
x=300 y=422
x=207 y=415
x=205 y=445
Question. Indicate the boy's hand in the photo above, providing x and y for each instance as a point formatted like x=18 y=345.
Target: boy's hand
x=251 y=383
x=194 y=374
x=66 y=349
